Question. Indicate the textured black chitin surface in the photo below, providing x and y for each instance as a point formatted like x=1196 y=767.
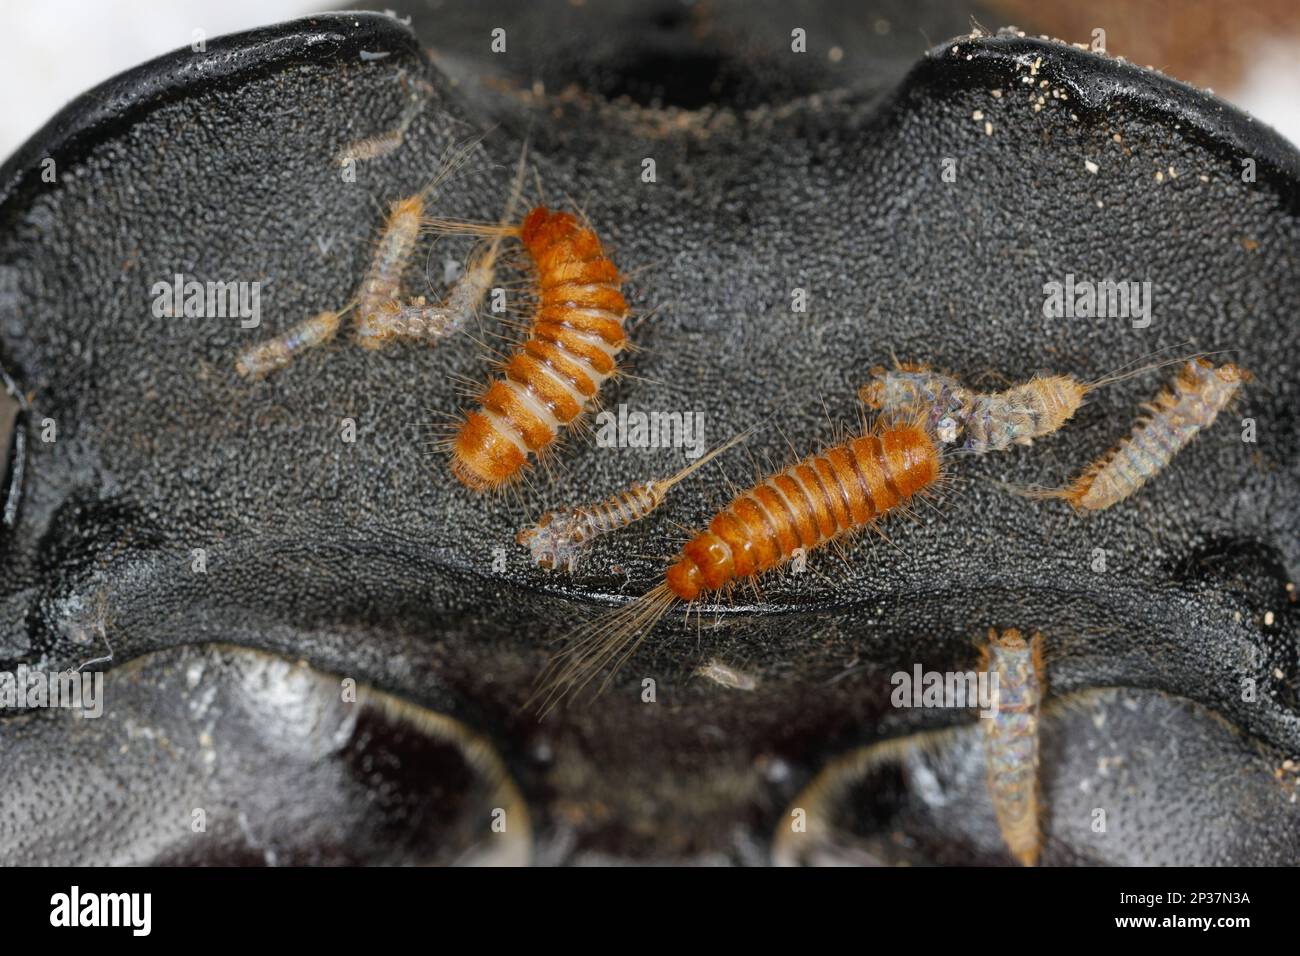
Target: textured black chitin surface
x=368 y=561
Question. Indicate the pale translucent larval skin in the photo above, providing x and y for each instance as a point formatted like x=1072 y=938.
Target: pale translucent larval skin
x=978 y=422
x=383 y=279
x=1011 y=738
x=1021 y=414
x=1177 y=415
x=905 y=390
x=558 y=539
x=274 y=354
x=422 y=321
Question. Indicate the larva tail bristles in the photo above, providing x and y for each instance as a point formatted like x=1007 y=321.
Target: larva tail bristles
x=462 y=227
x=667 y=483
x=1125 y=372
x=608 y=641
x=1072 y=493
x=516 y=193
x=453 y=160
x=496 y=231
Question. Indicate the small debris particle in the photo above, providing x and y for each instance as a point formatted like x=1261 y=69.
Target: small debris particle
x=1160 y=176
x=1090 y=166
x=1268 y=618
x=977 y=115
x=988 y=129
x=835 y=54
x=1173 y=174
x=1249 y=244
x=1277 y=672
x=997 y=94
x=1203 y=178
x=1117 y=137
x=729 y=677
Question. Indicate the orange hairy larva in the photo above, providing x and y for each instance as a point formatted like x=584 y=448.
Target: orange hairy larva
x=806 y=506
x=1011 y=738
x=573 y=344
x=1200 y=391
x=269 y=356
x=820 y=499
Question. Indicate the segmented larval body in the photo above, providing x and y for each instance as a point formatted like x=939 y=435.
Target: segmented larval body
x=1011 y=739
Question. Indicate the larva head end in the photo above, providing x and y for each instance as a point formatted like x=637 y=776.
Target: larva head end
x=685 y=580
x=1233 y=373
x=1011 y=639
x=532 y=224
x=873 y=393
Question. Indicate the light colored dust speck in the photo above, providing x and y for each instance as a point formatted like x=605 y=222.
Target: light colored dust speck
x=1090 y=166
